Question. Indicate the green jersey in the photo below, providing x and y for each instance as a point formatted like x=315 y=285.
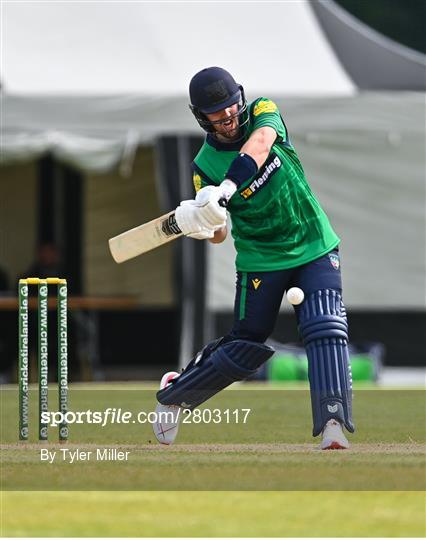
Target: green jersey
x=277 y=223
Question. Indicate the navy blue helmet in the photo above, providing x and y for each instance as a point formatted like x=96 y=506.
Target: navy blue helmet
x=213 y=89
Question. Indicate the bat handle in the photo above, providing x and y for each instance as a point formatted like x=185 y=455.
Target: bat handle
x=229 y=189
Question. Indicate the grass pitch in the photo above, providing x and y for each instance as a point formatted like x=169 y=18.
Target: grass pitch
x=209 y=514
x=265 y=477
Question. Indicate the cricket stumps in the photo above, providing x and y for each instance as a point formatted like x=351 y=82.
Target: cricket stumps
x=42 y=354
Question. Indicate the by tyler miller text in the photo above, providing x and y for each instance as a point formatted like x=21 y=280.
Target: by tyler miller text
x=77 y=455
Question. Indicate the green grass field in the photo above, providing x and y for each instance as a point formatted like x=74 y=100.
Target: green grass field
x=265 y=477
x=189 y=513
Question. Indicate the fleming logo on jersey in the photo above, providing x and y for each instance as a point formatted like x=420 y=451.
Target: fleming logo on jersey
x=270 y=167
x=264 y=106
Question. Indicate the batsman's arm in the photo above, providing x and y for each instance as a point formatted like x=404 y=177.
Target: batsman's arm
x=252 y=156
x=259 y=144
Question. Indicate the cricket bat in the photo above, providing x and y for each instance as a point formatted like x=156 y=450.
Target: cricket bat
x=141 y=239
x=155 y=233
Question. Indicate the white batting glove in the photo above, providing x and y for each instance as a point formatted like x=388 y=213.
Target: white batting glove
x=204 y=234
x=199 y=221
x=213 y=194
x=210 y=213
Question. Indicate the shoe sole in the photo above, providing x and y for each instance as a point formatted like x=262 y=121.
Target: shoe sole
x=334 y=445
x=164 y=442
x=165 y=381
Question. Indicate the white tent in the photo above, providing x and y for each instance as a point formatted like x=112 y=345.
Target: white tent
x=152 y=49
x=86 y=80
x=90 y=81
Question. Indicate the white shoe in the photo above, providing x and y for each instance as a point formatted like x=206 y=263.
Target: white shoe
x=168 y=416
x=333 y=437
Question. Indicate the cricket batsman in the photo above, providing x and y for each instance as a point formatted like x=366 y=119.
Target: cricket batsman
x=283 y=239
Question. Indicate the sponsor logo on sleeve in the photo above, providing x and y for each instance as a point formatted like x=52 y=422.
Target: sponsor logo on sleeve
x=264 y=106
x=267 y=171
x=196 y=178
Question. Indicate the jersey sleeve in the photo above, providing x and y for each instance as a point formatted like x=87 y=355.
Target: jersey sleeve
x=198 y=178
x=264 y=112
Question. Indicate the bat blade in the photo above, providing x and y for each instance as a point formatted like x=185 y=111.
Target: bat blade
x=146 y=237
